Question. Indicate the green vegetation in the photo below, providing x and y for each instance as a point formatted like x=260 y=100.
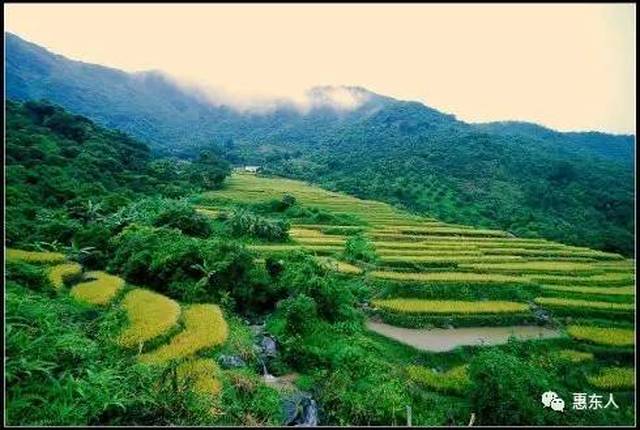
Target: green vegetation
x=577 y=188
x=614 y=378
x=140 y=313
x=455 y=380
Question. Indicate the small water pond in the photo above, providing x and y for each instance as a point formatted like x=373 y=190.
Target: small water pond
x=441 y=339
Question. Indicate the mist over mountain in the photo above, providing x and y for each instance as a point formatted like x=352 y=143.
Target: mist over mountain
x=518 y=176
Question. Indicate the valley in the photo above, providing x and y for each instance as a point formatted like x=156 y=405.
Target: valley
x=219 y=225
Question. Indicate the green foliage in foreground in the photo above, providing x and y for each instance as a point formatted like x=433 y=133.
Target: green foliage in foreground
x=61 y=369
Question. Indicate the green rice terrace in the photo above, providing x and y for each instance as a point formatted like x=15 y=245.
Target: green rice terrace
x=394 y=314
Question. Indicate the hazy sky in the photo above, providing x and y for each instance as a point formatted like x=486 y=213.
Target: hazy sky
x=565 y=66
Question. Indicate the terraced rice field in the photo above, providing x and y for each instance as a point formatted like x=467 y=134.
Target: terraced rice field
x=150 y=315
x=204 y=327
x=611 y=336
x=614 y=378
x=580 y=289
x=100 y=289
x=449 y=306
x=609 y=291
x=61 y=273
x=36 y=257
x=572 y=303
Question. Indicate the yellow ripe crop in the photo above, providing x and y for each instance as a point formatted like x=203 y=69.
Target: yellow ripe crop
x=536 y=266
x=282 y=248
x=601 y=335
x=201 y=375
x=454 y=380
x=100 y=290
x=573 y=356
x=34 y=256
x=150 y=314
x=450 y=306
x=462 y=277
x=61 y=273
x=469 y=232
x=433 y=252
x=613 y=291
x=319 y=241
x=573 y=303
x=605 y=279
x=205 y=327
x=448 y=258
x=613 y=378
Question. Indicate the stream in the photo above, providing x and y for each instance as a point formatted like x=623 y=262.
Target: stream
x=441 y=340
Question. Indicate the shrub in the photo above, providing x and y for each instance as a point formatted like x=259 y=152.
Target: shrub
x=32 y=276
x=241 y=222
x=161 y=212
x=299 y=314
x=506 y=391
x=358 y=248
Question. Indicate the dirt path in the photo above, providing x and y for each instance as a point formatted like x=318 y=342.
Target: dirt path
x=440 y=340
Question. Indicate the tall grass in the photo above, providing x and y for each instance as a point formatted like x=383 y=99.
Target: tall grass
x=453 y=381
x=200 y=375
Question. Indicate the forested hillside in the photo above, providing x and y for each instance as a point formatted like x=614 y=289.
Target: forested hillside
x=64 y=173
x=521 y=177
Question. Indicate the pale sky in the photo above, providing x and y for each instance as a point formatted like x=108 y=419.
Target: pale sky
x=569 y=67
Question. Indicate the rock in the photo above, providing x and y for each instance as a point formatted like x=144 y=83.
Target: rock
x=268 y=346
x=542 y=316
x=300 y=410
x=231 y=361
x=256 y=329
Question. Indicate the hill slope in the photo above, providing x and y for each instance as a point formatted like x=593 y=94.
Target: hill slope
x=520 y=177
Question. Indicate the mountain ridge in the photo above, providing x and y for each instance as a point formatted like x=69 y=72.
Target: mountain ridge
x=575 y=187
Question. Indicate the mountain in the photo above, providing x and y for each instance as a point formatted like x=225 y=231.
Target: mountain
x=573 y=187
x=607 y=146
